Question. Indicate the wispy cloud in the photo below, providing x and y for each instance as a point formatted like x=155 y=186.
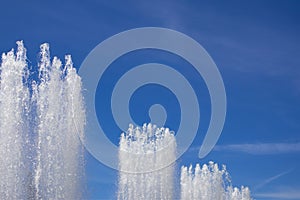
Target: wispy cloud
x=288 y=194
x=261 y=148
x=271 y=179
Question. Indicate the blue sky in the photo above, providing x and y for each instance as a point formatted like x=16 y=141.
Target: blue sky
x=255 y=45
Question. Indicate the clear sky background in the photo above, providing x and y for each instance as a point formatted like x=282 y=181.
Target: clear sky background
x=255 y=44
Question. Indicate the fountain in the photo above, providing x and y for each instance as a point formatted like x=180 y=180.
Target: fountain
x=146 y=156
x=58 y=100
x=40 y=153
x=209 y=182
x=146 y=164
x=14 y=129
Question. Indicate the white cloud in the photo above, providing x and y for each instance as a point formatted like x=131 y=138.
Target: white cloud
x=261 y=148
x=288 y=194
x=271 y=179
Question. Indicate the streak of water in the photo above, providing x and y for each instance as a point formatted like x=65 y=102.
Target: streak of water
x=209 y=183
x=40 y=152
x=145 y=160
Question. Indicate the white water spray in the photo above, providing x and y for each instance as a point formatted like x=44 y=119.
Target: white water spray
x=146 y=159
x=14 y=99
x=209 y=183
x=40 y=152
x=59 y=163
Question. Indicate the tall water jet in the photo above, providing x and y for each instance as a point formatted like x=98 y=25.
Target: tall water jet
x=146 y=156
x=74 y=112
x=209 y=183
x=14 y=99
x=59 y=155
x=40 y=152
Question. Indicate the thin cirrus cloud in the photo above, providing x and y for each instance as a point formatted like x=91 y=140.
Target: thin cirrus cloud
x=261 y=148
x=288 y=194
x=271 y=179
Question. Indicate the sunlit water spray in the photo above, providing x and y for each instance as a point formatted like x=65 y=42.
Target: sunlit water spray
x=14 y=101
x=59 y=163
x=40 y=152
x=146 y=156
x=209 y=183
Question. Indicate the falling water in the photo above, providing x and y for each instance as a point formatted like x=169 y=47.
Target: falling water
x=209 y=182
x=40 y=152
x=145 y=160
x=14 y=99
x=59 y=160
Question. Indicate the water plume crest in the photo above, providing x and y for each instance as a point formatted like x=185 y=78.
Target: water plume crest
x=40 y=153
x=59 y=163
x=209 y=182
x=14 y=106
x=145 y=163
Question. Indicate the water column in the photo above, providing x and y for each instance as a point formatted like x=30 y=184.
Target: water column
x=14 y=109
x=74 y=128
x=60 y=118
x=146 y=155
x=209 y=182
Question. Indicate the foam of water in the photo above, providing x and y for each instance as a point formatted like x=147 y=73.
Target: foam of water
x=145 y=155
x=40 y=152
x=14 y=99
x=145 y=158
x=209 y=183
x=59 y=153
